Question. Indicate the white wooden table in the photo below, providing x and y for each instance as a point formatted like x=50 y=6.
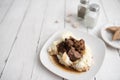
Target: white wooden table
x=25 y=25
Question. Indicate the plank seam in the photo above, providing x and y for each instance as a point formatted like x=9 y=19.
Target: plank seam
x=64 y=13
x=21 y=72
x=64 y=19
x=7 y=57
x=117 y=3
x=104 y=10
x=118 y=50
x=7 y=11
x=15 y=39
x=38 y=41
x=108 y=21
x=95 y=78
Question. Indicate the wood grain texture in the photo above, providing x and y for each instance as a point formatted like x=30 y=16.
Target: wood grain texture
x=53 y=21
x=109 y=69
x=9 y=29
x=5 y=6
x=23 y=53
x=25 y=25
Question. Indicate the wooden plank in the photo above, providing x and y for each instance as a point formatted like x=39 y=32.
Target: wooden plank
x=5 y=6
x=23 y=55
x=53 y=21
x=24 y=50
x=112 y=9
x=9 y=28
x=110 y=67
x=117 y=22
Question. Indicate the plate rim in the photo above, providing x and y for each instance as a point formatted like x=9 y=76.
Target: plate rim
x=103 y=29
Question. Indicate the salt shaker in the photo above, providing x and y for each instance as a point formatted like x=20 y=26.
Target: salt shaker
x=91 y=16
x=82 y=7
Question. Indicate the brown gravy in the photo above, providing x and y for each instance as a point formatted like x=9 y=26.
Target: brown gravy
x=55 y=61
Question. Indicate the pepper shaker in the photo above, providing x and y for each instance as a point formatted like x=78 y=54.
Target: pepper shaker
x=91 y=16
x=82 y=7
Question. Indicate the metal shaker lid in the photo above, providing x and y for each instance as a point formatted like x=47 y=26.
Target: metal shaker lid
x=94 y=7
x=84 y=1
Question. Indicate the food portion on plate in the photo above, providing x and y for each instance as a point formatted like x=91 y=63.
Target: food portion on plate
x=71 y=53
x=91 y=60
x=110 y=33
x=115 y=30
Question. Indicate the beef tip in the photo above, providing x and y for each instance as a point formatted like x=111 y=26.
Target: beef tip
x=73 y=54
x=69 y=42
x=82 y=44
x=74 y=48
x=71 y=38
x=82 y=41
x=61 y=47
x=76 y=44
x=79 y=45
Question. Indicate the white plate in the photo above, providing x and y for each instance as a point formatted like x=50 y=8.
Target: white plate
x=96 y=45
x=107 y=36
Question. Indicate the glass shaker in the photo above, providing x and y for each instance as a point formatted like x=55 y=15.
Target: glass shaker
x=91 y=16
x=82 y=7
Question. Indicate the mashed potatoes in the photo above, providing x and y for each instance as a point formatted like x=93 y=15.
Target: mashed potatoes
x=82 y=64
x=85 y=62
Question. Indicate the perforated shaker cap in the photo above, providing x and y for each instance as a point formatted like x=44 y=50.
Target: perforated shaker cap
x=94 y=7
x=84 y=1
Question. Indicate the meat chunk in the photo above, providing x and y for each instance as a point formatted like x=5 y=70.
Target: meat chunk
x=73 y=54
x=82 y=44
x=71 y=38
x=74 y=48
x=69 y=42
x=79 y=45
x=61 y=47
